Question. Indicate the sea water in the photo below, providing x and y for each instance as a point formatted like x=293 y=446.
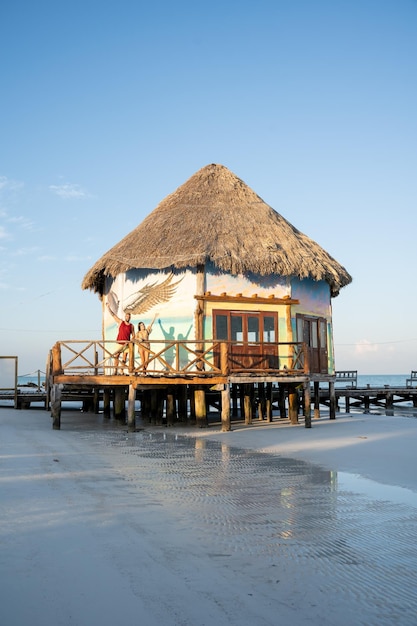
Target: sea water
x=381 y=380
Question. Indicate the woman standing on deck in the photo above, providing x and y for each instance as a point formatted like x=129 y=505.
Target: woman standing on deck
x=142 y=339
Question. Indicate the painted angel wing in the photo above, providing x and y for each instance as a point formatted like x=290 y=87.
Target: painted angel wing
x=152 y=295
x=113 y=302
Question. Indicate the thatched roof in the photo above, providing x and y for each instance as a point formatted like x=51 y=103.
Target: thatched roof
x=214 y=216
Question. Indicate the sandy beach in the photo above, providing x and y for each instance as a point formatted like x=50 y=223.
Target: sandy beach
x=265 y=525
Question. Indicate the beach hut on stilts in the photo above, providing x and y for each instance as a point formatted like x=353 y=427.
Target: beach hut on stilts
x=218 y=272
x=238 y=302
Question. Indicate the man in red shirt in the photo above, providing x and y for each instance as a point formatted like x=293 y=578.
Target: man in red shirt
x=125 y=333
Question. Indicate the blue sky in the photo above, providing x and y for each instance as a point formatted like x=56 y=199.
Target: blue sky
x=107 y=107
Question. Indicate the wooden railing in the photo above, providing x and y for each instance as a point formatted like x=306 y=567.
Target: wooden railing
x=173 y=358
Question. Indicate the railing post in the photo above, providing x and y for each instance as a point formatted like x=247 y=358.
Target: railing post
x=224 y=358
x=56 y=359
x=131 y=356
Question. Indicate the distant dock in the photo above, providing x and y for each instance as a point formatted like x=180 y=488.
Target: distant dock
x=385 y=397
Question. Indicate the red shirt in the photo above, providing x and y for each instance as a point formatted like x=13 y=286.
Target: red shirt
x=125 y=331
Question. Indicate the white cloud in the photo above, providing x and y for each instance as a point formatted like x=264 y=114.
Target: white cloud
x=365 y=347
x=47 y=257
x=69 y=190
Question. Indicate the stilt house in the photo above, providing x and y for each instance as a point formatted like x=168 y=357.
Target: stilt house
x=214 y=261
x=239 y=302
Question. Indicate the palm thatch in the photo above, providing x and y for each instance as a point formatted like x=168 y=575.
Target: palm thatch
x=216 y=217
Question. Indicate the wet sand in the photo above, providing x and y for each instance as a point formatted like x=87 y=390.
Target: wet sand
x=264 y=525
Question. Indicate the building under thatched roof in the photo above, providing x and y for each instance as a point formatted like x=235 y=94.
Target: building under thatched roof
x=215 y=217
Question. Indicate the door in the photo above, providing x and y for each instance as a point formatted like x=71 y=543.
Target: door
x=252 y=336
x=313 y=332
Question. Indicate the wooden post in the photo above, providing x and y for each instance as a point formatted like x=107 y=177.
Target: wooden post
x=226 y=409
x=171 y=408
x=247 y=403
x=316 y=399
x=192 y=416
x=131 y=408
x=154 y=406
x=160 y=401
x=268 y=402
x=200 y=407
x=146 y=405
x=234 y=390
x=224 y=359
x=307 y=404
x=389 y=404
x=119 y=403
x=182 y=403
x=261 y=402
x=106 y=401
x=281 y=400
x=242 y=401
x=293 y=404
x=131 y=357
x=56 y=392
x=347 y=403
x=332 y=397
x=56 y=359
x=96 y=400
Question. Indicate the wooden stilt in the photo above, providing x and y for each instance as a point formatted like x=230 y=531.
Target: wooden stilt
x=268 y=402
x=293 y=404
x=234 y=394
x=96 y=401
x=154 y=406
x=200 y=408
x=160 y=401
x=242 y=401
x=146 y=406
x=261 y=402
x=316 y=399
x=56 y=392
x=248 y=403
x=347 y=404
x=119 y=402
x=131 y=408
x=192 y=417
x=307 y=404
x=106 y=401
x=281 y=400
x=182 y=403
x=171 y=407
x=332 y=396
x=226 y=408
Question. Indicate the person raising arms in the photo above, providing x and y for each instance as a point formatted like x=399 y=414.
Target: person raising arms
x=125 y=333
x=142 y=339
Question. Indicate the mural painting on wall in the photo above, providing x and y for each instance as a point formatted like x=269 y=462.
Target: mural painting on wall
x=168 y=299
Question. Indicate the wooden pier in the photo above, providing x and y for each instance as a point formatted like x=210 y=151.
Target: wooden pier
x=367 y=397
